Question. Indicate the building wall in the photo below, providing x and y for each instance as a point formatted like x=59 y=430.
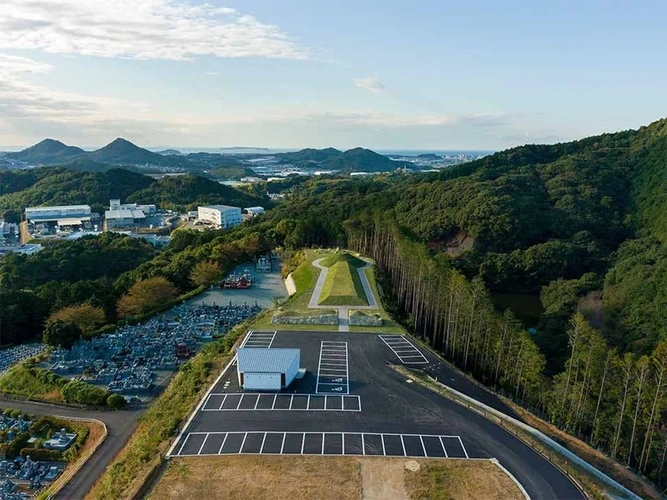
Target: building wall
x=261 y=382
x=212 y=215
x=57 y=212
x=231 y=217
x=222 y=217
x=292 y=371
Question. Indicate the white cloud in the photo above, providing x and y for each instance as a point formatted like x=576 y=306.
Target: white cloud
x=371 y=84
x=15 y=65
x=145 y=29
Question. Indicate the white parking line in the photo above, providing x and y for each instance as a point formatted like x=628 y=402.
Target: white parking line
x=463 y=447
x=259 y=339
x=333 y=366
x=319 y=449
x=347 y=401
x=404 y=350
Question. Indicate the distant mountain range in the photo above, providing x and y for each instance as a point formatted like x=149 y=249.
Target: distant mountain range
x=122 y=152
x=352 y=160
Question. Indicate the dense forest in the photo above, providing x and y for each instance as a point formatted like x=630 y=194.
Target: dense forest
x=582 y=225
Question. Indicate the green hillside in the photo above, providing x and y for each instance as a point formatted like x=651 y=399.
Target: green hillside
x=60 y=186
x=342 y=286
x=47 y=152
x=189 y=191
x=334 y=258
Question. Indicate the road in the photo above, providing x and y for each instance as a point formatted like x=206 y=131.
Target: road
x=120 y=426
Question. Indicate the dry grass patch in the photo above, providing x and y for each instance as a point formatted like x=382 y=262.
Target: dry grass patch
x=458 y=479
x=260 y=478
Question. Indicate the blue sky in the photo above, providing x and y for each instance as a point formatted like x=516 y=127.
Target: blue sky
x=428 y=74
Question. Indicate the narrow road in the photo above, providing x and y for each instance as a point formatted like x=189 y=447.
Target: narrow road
x=120 y=426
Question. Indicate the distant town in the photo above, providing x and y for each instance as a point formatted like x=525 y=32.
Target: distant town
x=70 y=222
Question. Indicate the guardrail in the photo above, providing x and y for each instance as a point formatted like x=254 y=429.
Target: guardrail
x=69 y=473
x=570 y=460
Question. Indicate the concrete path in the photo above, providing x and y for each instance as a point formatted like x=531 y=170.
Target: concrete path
x=343 y=319
x=343 y=311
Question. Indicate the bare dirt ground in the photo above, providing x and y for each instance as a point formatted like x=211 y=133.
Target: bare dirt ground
x=382 y=479
x=342 y=478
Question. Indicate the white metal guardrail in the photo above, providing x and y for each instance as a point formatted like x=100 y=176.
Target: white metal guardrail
x=618 y=490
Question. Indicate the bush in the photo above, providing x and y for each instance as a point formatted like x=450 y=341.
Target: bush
x=79 y=392
x=116 y=401
x=15 y=447
x=15 y=413
x=42 y=454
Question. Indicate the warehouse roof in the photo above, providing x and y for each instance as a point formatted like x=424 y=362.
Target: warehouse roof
x=265 y=360
x=84 y=208
x=124 y=214
x=222 y=208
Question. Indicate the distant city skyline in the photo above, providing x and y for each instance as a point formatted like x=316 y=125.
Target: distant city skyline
x=380 y=74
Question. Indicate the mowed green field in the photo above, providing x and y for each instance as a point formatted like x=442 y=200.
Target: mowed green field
x=342 y=286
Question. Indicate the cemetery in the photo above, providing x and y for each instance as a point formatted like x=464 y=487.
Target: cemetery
x=130 y=360
x=12 y=355
x=33 y=453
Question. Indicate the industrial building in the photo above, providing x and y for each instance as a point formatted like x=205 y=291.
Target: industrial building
x=68 y=215
x=220 y=215
x=254 y=211
x=263 y=369
x=126 y=214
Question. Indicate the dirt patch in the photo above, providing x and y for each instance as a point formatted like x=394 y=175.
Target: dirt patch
x=460 y=480
x=260 y=478
x=382 y=479
x=594 y=457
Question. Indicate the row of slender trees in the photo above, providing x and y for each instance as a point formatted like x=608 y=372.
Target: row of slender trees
x=615 y=402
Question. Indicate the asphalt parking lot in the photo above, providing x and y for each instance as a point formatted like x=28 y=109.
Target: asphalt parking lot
x=373 y=410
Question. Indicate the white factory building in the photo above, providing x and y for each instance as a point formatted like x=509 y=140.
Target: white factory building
x=254 y=211
x=126 y=214
x=220 y=215
x=67 y=215
x=263 y=369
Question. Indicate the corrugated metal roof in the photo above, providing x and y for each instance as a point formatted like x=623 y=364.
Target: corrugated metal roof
x=265 y=360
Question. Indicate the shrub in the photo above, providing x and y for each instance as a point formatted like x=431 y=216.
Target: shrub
x=15 y=413
x=42 y=454
x=79 y=392
x=116 y=401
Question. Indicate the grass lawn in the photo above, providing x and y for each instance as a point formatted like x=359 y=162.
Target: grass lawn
x=33 y=382
x=342 y=286
x=305 y=276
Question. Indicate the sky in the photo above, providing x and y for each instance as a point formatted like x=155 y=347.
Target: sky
x=382 y=74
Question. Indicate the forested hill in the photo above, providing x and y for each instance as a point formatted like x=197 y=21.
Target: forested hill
x=60 y=186
x=544 y=219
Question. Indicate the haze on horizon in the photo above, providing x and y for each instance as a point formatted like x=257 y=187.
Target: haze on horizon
x=378 y=74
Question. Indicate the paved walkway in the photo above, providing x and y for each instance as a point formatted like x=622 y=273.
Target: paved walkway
x=343 y=311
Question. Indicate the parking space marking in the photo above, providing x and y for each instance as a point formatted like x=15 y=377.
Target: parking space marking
x=315 y=448
x=307 y=402
x=259 y=339
x=333 y=368
x=404 y=350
